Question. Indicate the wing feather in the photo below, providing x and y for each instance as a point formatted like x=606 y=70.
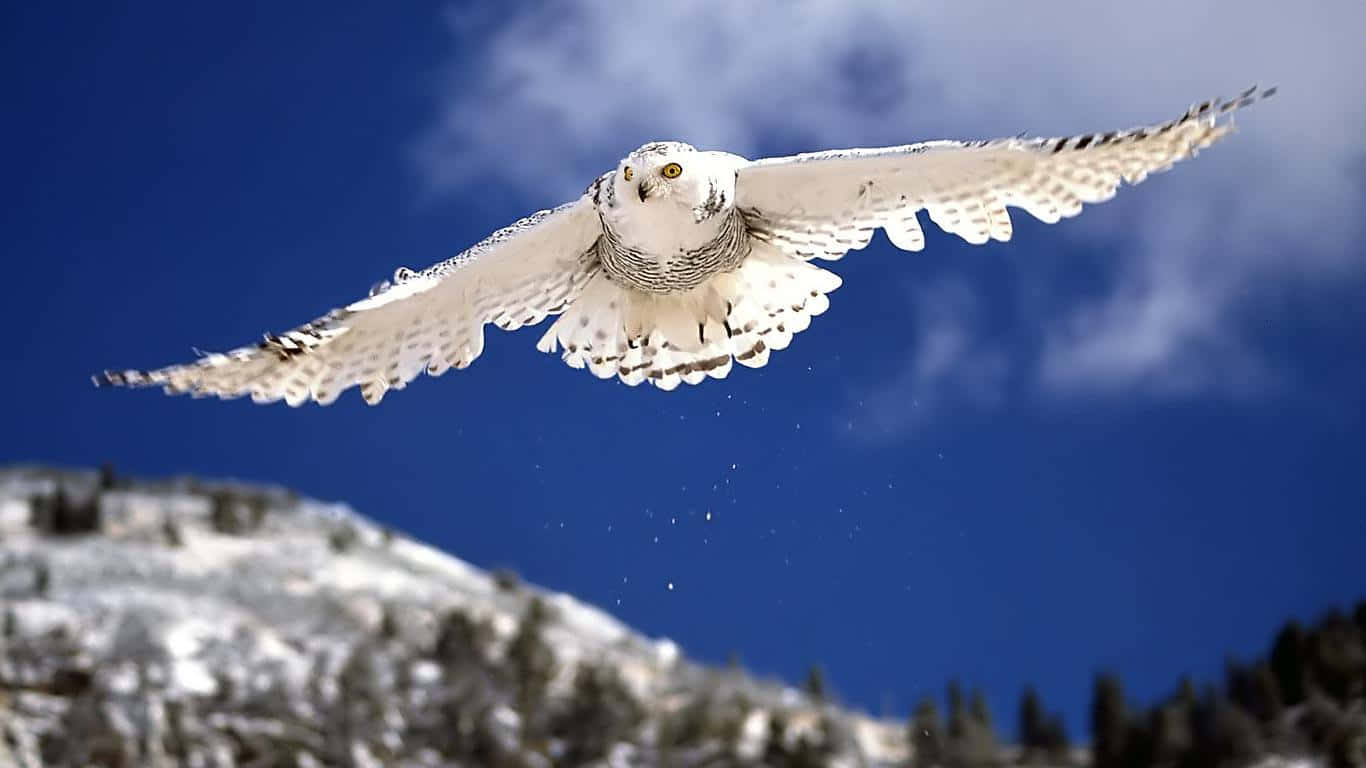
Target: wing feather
x=418 y=321
x=825 y=204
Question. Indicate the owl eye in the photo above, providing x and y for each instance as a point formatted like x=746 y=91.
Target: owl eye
x=627 y=173
x=672 y=171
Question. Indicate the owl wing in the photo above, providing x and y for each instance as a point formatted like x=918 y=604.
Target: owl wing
x=824 y=204
x=430 y=320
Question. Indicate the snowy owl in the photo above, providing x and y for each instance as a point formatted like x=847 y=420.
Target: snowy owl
x=680 y=262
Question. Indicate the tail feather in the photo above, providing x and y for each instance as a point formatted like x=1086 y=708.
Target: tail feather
x=739 y=316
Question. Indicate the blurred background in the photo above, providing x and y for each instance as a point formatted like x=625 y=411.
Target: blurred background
x=1131 y=441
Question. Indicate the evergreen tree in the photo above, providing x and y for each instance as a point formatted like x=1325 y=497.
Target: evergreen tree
x=1170 y=732
x=958 y=713
x=1139 y=743
x=459 y=641
x=601 y=711
x=981 y=715
x=1204 y=750
x=1264 y=695
x=506 y=579
x=1288 y=663
x=364 y=694
x=815 y=683
x=62 y=514
x=1338 y=657
x=236 y=513
x=1109 y=723
x=1055 y=743
x=108 y=479
x=1238 y=740
x=1030 y=732
x=531 y=664
x=804 y=751
x=775 y=747
x=970 y=742
x=926 y=735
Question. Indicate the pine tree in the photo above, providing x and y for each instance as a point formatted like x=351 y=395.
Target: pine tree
x=1109 y=722
x=815 y=683
x=1031 y=725
x=959 y=727
x=1170 y=732
x=1264 y=696
x=1055 y=743
x=1201 y=708
x=1338 y=657
x=459 y=642
x=775 y=747
x=971 y=741
x=958 y=713
x=981 y=715
x=1288 y=663
x=1238 y=739
x=601 y=711
x=532 y=666
x=62 y=514
x=926 y=735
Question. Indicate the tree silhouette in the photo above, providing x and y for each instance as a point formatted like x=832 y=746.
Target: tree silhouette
x=1338 y=657
x=1055 y=742
x=1109 y=722
x=601 y=711
x=815 y=682
x=1030 y=731
x=1288 y=663
x=64 y=514
x=926 y=735
x=531 y=665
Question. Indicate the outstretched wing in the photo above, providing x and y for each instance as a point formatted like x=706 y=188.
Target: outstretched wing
x=824 y=204
x=430 y=320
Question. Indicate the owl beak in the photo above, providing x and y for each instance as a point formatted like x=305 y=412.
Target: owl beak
x=644 y=189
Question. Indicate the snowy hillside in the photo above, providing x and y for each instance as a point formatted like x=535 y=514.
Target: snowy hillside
x=205 y=624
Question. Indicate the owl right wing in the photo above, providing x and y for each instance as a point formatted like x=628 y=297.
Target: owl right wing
x=431 y=320
x=824 y=204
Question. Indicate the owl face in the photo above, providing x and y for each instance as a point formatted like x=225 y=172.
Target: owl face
x=676 y=174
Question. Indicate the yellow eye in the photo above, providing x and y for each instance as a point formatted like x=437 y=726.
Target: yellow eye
x=627 y=173
x=672 y=171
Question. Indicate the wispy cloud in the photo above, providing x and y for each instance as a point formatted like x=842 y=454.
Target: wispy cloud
x=549 y=96
x=952 y=362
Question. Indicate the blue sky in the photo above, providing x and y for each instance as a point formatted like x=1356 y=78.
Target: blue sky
x=1131 y=440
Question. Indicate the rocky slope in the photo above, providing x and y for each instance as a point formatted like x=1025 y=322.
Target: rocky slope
x=201 y=624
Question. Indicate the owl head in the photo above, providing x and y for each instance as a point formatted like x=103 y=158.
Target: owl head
x=673 y=173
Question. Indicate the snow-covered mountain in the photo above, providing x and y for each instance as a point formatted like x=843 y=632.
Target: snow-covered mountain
x=213 y=624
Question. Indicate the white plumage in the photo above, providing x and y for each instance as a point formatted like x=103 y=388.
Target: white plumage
x=679 y=262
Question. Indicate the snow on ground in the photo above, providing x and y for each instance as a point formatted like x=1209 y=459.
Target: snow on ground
x=259 y=608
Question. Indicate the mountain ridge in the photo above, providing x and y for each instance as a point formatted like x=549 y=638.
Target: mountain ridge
x=127 y=597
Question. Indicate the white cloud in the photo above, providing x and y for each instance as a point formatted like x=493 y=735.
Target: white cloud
x=552 y=95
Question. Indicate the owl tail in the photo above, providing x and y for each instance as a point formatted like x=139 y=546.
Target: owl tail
x=740 y=315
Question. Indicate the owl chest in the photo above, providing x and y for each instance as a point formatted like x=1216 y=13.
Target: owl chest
x=672 y=265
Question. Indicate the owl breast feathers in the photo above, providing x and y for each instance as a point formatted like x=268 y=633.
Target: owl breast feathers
x=680 y=263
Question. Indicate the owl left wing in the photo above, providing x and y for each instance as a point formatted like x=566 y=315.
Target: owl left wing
x=824 y=204
x=430 y=320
